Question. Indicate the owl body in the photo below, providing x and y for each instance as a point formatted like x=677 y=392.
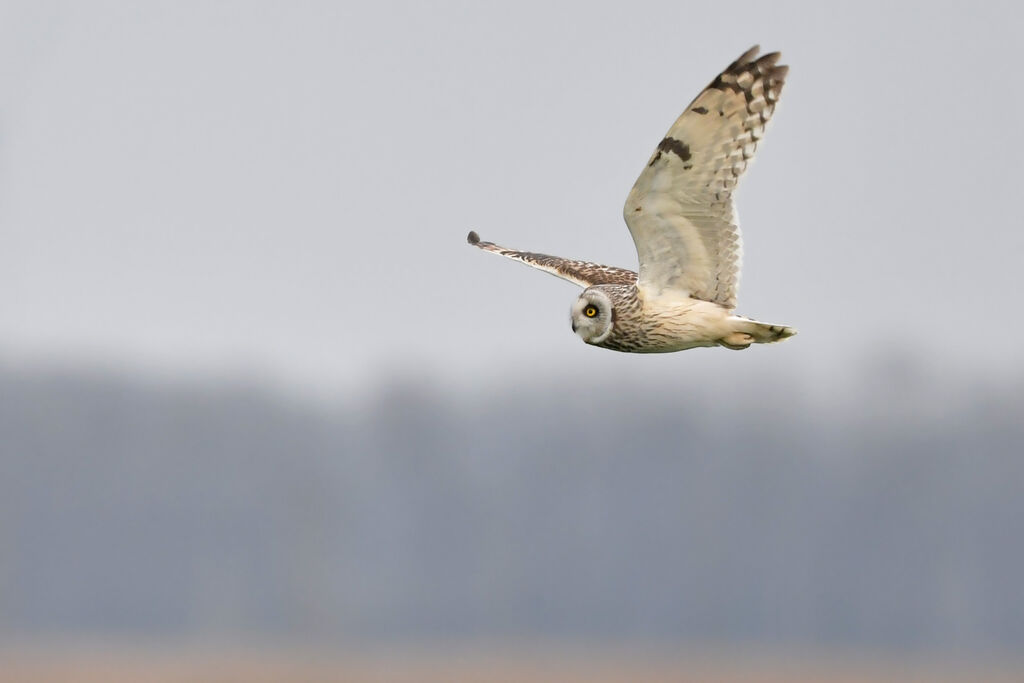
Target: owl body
x=680 y=214
x=652 y=324
x=672 y=323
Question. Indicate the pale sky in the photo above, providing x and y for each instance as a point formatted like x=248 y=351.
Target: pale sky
x=285 y=188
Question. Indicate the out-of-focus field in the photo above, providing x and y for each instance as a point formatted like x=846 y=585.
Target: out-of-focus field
x=122 y=667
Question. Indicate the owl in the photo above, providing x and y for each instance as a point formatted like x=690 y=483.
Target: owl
x=681 y=216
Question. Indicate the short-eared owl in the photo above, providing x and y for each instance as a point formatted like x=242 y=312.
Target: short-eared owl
x=681 y=216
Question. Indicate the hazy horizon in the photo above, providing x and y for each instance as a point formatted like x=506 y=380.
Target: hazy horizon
x=556 y=512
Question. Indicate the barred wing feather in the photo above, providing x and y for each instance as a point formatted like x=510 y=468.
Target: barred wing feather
x=680 y=210
x=582 y=273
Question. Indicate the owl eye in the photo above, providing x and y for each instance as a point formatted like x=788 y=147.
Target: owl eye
x=590 y=311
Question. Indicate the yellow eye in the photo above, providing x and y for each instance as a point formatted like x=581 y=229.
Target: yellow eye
x=590 y=311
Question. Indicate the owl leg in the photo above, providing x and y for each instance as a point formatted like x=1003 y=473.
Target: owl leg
x=746 y=331
x=737 y=341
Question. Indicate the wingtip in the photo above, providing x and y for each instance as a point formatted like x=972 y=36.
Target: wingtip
x=749 y=55
x=766 y=61
x=472 y=237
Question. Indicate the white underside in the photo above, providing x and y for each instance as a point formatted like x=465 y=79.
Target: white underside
x=681 y=323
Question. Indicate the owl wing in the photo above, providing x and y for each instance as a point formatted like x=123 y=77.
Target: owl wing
x=680 y=210
x=582 y=273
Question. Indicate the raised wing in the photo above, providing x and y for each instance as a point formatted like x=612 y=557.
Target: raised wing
x=680 y=210
x=582 y=273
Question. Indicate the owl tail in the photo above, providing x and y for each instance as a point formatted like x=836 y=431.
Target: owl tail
x=746 y=332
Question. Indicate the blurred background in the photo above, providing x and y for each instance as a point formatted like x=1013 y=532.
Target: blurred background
x=263 y=413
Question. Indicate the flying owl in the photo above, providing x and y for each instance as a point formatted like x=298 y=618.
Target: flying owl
x=681 y=216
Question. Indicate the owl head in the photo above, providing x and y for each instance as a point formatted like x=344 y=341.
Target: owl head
x=592 y=317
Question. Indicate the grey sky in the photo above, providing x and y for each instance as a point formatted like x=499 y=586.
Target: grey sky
x=286 y=188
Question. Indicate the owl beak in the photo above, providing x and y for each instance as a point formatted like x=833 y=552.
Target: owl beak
x=574 y=326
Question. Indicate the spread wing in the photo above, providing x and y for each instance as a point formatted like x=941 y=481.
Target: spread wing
x=582 y=273
x=680 y=210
